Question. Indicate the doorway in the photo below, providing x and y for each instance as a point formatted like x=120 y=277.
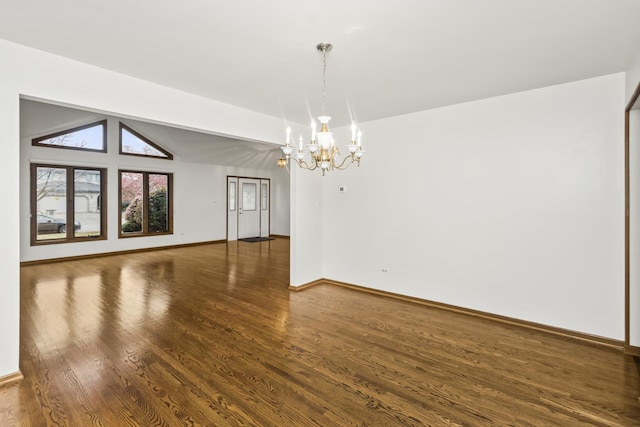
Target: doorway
x=248 y=207
x=632 y=221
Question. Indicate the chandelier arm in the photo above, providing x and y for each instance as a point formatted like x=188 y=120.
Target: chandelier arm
x=314 y=159
x=304 y=165
x=342 y=165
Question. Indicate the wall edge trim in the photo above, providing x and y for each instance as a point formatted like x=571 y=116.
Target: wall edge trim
x=307 y=285
x=10 y=379
x=124 y=252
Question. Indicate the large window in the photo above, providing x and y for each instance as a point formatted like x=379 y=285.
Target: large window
x=67 y=204
x=145 y=203
x=91 y=137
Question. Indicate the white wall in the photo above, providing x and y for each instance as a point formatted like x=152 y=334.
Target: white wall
x=307 y=228
x=9 y=214
x=511 y=205
x=633 y=75
x=281 y=211
x=41 y=75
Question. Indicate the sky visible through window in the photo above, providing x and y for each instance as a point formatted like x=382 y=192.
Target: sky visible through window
x=134 y=145
x=89 y=139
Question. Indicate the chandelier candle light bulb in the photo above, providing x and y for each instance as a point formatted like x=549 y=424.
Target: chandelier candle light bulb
x=287 y=148
x=300 y=154
x=322 y=149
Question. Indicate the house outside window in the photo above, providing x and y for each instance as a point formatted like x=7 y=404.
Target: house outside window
x=65 y=195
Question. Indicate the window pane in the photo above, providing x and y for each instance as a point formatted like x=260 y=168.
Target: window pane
x=132 y=202
x=68 y=204
x=51 y=203
x=90 y=138
x=87 y=198
x=131 y=144
x=265 y=199
x=158 y=203
x=249 y=192
x=232 y=196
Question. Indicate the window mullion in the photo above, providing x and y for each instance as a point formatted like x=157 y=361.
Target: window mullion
x=71 y=179
x=145 y=203
x=33 y=204
x=170 y=202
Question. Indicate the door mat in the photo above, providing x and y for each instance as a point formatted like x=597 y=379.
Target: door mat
x=256 y=239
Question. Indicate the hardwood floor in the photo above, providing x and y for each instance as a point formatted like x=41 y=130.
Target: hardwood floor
x=210 y=335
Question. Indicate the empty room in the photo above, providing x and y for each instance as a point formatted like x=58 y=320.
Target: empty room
x=320 y=214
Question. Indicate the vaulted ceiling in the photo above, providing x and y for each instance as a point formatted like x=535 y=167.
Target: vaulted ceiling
x=39 y=119
x=389 y=57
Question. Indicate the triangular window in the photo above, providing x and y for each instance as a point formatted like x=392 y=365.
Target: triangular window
x=134 y=144
x=89 y=137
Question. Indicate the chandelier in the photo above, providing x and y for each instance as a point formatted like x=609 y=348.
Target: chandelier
x=322 y=149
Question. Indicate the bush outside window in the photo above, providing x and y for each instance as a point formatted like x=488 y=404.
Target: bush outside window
x=145 y=203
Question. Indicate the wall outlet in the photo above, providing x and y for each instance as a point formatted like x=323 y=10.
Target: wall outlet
x=384 y=270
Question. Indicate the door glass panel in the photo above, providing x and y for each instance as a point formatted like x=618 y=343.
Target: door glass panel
x=158 y=203
x=51 y=203
x=249 y=193
x=265 y=199
x=232 y=196
x=86 y=190
x=132 y=202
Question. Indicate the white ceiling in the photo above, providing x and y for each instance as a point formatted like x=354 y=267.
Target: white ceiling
x=389 y=57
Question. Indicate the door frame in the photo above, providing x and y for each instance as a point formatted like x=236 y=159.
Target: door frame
x=232 y=214
x=627 y=225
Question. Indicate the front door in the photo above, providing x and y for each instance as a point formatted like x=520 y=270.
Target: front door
x=249 y=202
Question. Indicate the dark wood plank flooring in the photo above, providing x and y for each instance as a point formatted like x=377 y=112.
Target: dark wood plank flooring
x=210 y=335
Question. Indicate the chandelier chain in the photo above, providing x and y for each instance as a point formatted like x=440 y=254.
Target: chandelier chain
x=324 y=80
